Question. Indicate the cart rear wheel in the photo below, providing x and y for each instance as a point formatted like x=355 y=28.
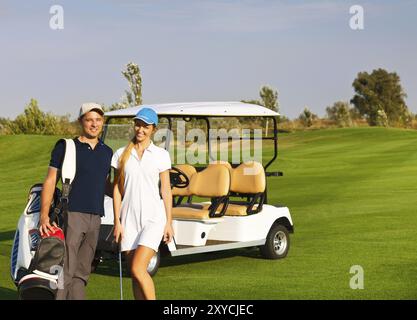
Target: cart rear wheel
x=277 y=243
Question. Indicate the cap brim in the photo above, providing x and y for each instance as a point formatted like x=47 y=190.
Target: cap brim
x=147 y=121
x=100 y=111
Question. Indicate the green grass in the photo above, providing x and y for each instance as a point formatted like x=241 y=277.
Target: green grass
x=352 y=196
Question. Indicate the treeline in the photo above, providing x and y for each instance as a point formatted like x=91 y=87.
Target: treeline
x=379 y=100
x=35 y=121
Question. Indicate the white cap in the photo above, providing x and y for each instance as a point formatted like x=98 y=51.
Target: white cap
x=90 y=106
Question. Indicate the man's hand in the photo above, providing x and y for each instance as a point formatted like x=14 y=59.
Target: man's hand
x=46 y=226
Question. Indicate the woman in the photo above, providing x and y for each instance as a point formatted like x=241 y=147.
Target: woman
x=141 y=218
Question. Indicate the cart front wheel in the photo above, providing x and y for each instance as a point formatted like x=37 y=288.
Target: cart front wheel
x=277 y=243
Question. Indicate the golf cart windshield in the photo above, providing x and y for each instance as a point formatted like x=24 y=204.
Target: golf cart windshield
x=201 y=140
x=203 y=132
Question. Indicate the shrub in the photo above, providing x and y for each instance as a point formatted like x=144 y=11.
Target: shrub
x=34 y=121
x=340 y=113
x=307 y=117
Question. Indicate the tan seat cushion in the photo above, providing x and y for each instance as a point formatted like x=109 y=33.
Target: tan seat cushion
x=233 y=209
x=190 y=213
x=237 y=210
x=206 y=206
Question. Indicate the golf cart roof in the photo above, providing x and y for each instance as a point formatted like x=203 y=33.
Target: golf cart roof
x=213 y=109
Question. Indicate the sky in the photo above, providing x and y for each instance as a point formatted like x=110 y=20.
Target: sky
x=218 y=50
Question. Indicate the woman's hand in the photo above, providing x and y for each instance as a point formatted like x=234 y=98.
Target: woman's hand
x=118 y=232
x=168 y=233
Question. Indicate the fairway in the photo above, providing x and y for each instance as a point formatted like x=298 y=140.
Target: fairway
x=352 y=196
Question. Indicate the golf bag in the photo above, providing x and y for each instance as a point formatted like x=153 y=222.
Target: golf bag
x=37 y=261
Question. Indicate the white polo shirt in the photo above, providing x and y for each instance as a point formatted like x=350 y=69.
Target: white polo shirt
x=142 y=206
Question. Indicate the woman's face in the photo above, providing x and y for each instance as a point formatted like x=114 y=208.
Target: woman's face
x=143 y=131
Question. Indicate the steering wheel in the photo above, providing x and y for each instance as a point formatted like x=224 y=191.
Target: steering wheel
x=178 y=178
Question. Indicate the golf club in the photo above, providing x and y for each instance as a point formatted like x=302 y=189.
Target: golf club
x=120 y=274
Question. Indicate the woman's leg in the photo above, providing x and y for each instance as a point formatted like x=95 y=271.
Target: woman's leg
x=137 y=291
x=140 y=276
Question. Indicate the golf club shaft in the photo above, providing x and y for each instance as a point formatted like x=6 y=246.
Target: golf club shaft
x=121 y=276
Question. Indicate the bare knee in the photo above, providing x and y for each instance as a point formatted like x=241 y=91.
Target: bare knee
x=139 y=274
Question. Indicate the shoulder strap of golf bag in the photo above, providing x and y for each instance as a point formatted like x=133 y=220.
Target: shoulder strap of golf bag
x=68 y=171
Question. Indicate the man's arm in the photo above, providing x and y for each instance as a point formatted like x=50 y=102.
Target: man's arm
x=109 y=186
x=46 y=200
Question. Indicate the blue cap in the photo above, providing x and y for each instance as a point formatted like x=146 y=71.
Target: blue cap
x=147 y=115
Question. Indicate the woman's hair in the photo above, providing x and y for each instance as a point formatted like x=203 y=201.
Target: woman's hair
x=120 y=176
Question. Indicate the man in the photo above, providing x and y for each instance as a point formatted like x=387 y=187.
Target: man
x=86 y=198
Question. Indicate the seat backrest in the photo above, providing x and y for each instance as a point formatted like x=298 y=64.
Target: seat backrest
x=248 y=177
x=224 y=163
x=189 y=171
x=214 y=181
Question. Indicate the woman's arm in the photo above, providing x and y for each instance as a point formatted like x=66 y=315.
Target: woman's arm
x=167 y=198
x=117 y=202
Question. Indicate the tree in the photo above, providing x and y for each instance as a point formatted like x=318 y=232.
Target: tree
x=282 y=119
x=340 y=112
x=354 y=114
x=381 y=119
x=269 y=98
x=380 y=90
x=34 y=121
x=116 y=106
x=132 y=75
x=259 y=103
x=307 y=117
x=4 y=125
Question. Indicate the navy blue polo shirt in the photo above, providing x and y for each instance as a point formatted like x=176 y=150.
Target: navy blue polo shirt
x=93 y=167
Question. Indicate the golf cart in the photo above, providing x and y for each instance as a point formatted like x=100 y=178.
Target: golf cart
x=218 y=204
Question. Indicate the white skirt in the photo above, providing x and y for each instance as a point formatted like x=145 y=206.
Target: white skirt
x=139 y=231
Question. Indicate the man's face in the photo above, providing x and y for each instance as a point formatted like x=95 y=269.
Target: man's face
x=92 y=124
